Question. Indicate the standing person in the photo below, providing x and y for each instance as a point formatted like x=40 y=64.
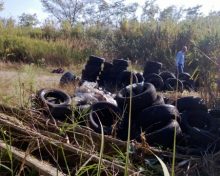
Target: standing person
x=180 y=59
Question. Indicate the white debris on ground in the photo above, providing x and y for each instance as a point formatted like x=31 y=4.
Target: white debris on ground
x=89 y=93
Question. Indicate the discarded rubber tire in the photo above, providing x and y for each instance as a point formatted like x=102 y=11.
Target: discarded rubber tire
x=92 y=69
x=143 y=95
x=122 y=129
x=124 y=79
x=106 y=113
x=197 y=118
x=120 y=62
x=199 y=137
x=156 y=117
x=188 y=85
x=164 y=136
x=159 y=100
x=67 y=78
x=184 y=76
x=215 y=113
x=191 y=103
x=140 y=77
x=56 y=101
x=166 y=74
x=156 y=80
x=54 y=98
x=95 y=60
x=173 y=84
x=153 y=64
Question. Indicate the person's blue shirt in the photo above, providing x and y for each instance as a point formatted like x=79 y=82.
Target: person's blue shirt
x=180 y=58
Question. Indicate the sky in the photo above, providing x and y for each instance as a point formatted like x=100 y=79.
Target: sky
x=14 y=8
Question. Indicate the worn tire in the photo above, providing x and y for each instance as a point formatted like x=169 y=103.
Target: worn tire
x=199 y=137
x=164 y=136
x=107 y=113
x=191 y=103
x=156 y=117
x=120 y=62
x=140 y=77
x=124 y=79
x=67 y=78
x=156 y=80
x=173 y=84
x=159 y=100
x=166 y=74
x=143 y=95
x=56 y=101
x=95 y=60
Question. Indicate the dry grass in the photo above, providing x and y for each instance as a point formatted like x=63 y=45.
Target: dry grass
x=19 y=81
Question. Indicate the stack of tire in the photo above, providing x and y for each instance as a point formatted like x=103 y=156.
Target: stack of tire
x=92 y=69
x=149 y=114
x=105 y=75
x=197 y=124
x=119 y=65
x=115 y=73
x=151 y=74
x=152 y=67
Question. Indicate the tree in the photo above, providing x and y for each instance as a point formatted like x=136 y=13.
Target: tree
x=28 y=20
x=149 y=10
x=65 y=10
x=104 y=13
x=171 y=13
x=89 y=11
x=1 y=6
x=193 y=12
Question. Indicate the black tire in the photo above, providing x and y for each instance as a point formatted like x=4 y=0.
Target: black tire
x=143 y=95
x=197 y=118
x=166 y=74
x=215 y=113
x=159 y=100
x=67 y=78
x=140 y=77
x=107 y=66
x=164 y=136
x=156 y=80
x=92 y=69
x=188 y=85
x=107 y=113
x=152 y=67
x=199 y=137
x=54 y=98
x=124 y=79
x=184 y=76
x=122 y=129
x=153 y=64
x=56 y=101
x=173 y=84
x=191 y=103
x=94 y=60
x=156 y=117
x=120 y=62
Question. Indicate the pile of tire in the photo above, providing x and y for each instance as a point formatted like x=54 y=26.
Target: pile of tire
x=115 y=75
x=152 y=67
x=198 y=124
x=149 y=114
x=92 y=69
x=166 y=80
